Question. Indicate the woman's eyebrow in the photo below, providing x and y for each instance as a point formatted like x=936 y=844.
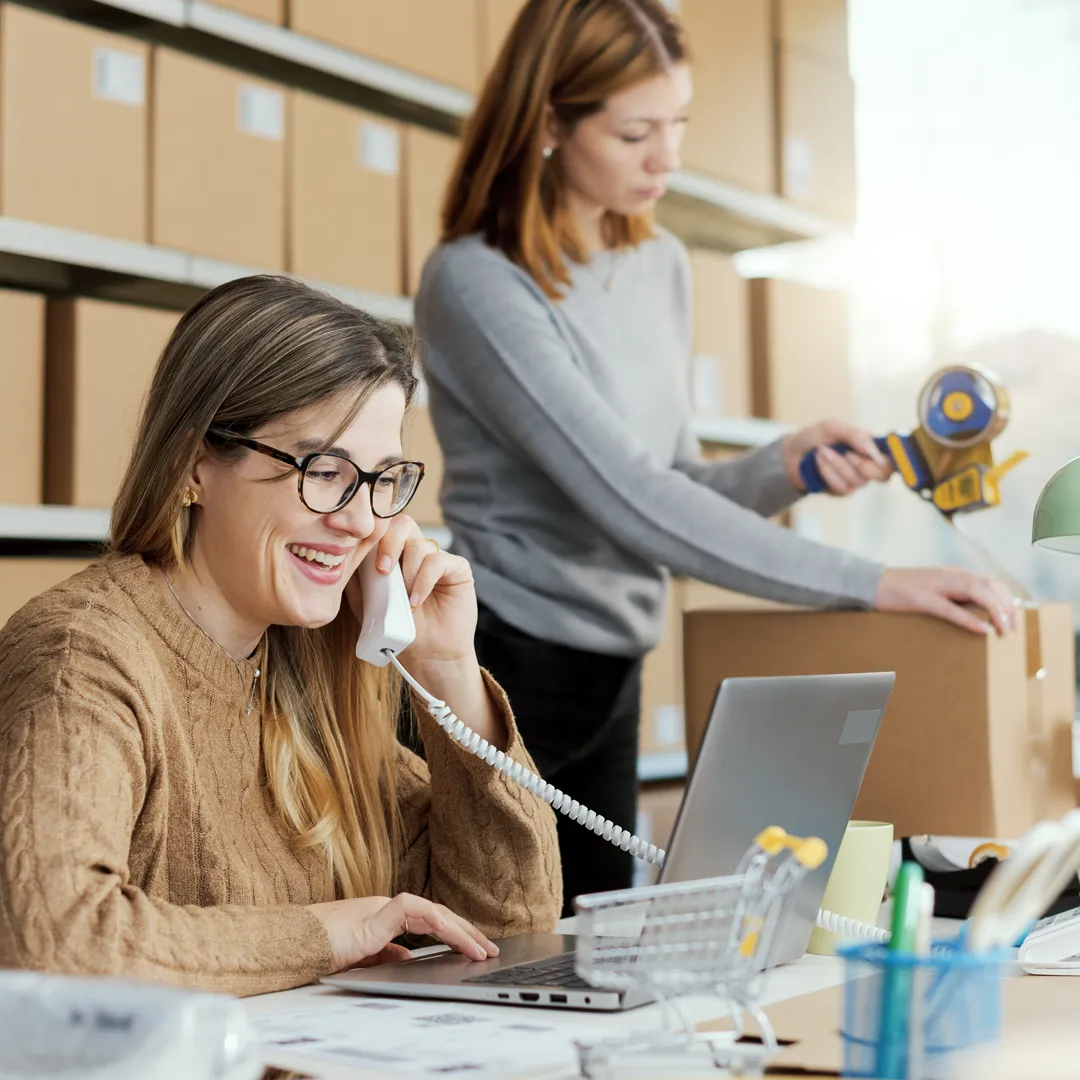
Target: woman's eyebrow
x=307 y=446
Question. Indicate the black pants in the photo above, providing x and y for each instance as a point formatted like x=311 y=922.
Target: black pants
x=578 y=713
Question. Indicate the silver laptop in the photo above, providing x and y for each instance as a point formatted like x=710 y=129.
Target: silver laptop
x=780 y=751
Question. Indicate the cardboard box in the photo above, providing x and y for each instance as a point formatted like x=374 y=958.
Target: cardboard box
x=658 y=808
x=22 y=404
x=731 y=134
x=270 y=10
x=799 y=340
x=21 y=579
x=815 y=29
x=420 y=443
x=969 y=746
x=218 y=171
x=817 y=136
x=721 y=383
x=344 y=217
x=439 y=40
x=496 y=19
x=663 y=727
x=429 y=163
x=100 y=358
x=73 y=118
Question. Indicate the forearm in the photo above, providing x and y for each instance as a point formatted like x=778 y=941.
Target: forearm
x=460 y=683
x=757 y=481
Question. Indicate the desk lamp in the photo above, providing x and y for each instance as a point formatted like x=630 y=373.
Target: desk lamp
x=1057 y=513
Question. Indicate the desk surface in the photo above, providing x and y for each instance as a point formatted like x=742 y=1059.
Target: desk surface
x=807 y=976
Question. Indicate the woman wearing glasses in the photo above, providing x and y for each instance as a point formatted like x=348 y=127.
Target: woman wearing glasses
x=199 y=783
x=556 y=331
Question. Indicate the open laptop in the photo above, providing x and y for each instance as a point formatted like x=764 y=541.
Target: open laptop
x=786 y=751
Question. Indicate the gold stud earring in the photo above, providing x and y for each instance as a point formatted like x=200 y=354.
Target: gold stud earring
x=190 y=496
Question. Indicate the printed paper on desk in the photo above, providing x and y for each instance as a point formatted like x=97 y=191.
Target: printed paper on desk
x=424 y=1038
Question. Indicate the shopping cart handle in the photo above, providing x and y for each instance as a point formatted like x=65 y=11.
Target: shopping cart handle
x=810 y=474
x=809 y=851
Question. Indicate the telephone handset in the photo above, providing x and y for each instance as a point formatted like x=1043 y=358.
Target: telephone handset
x=388 y=628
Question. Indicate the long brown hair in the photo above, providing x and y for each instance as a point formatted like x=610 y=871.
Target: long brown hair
x=572 y=55
x=245 y=353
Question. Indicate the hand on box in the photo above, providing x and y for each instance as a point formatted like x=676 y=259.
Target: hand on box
x=843 y=473
x=943 y=591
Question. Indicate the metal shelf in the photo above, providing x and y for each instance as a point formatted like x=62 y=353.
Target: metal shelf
x=64 y=260
x=700 y=209
x=672 y=765
x=748 y=432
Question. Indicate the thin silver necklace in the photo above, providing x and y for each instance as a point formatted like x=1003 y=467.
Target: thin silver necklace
x=236 y=663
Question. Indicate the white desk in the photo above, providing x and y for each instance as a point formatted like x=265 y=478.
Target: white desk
x=808 y=975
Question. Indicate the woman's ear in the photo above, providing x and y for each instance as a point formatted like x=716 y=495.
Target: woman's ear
x=553 y=131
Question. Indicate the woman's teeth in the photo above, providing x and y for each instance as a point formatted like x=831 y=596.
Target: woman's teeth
x=316 y=556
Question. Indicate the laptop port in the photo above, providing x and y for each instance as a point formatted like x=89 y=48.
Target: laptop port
x=557 y=999
x=529 y=996
x=504 y=997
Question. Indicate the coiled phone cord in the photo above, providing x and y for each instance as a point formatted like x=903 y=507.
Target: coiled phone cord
x=559 y=800
x=444 y=716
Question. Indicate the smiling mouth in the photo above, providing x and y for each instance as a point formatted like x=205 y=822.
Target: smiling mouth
x=316 y=557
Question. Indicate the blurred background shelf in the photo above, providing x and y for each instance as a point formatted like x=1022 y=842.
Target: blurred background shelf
x=56 y=259
x=656 y=766
x=742 y=432
x=702 y=210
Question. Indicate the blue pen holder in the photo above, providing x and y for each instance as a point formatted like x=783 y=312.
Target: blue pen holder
x=904 y=1015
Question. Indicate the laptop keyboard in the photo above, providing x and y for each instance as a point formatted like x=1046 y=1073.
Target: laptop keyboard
x=554 y=971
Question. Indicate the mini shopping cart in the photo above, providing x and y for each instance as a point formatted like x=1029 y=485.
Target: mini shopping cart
x=711 y=937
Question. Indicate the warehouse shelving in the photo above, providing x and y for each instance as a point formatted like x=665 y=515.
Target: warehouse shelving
x=701 y=209
x=56 y=259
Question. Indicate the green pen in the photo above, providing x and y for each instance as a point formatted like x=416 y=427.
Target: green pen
x=896 y=986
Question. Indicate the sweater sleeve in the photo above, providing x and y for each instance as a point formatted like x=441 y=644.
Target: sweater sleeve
x=77 y=754
x=518 y=372
x=475 y=841
x=756 y=481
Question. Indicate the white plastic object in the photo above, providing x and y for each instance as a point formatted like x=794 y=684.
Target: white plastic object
x=63 y=1026
x=388 y=625
x=614 y=834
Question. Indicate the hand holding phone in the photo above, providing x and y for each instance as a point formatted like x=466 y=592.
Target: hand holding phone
x=388 y=626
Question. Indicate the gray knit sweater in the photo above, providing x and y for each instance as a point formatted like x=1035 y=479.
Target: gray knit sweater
x=573 y=482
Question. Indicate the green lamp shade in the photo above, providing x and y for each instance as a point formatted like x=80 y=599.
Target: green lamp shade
x=1057 y=513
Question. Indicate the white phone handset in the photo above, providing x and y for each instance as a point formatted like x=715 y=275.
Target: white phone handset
x=388 y=628
x=388 y=625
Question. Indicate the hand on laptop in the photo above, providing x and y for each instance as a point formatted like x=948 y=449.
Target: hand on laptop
x=362 y=930
x=942 y=592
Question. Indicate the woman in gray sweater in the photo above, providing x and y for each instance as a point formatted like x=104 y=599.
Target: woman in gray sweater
x=555 y=326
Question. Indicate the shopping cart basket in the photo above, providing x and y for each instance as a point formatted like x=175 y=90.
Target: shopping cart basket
x=710 y=937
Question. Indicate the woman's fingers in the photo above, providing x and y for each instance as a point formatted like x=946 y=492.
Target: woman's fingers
x=839 y=474
x=441 y=569
x=431 y=920
x=392 y=545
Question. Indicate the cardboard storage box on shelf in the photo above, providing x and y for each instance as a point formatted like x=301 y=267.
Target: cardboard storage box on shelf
x=731 y=135
x=73 y=123
x=344 y=208
x=658 y=807
x=218 y=162
x=270 y=10
x=662 y=721
x=721 y=382
x=439 y=40
x=429 y=161
x=973 y=744
x=816 y=29
x=799 y=340
x=22 y=404
x=23 y=578
x=496 y=19
x=817 y=135
x=420 y=444
x=100 y=357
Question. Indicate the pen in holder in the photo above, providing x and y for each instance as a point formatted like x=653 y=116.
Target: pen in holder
x=931 y=1025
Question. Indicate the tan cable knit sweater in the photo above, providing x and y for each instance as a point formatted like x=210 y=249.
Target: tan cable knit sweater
x=137 y=837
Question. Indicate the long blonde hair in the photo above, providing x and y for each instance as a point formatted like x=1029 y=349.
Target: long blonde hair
x=571 y=55
x=246 y=352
